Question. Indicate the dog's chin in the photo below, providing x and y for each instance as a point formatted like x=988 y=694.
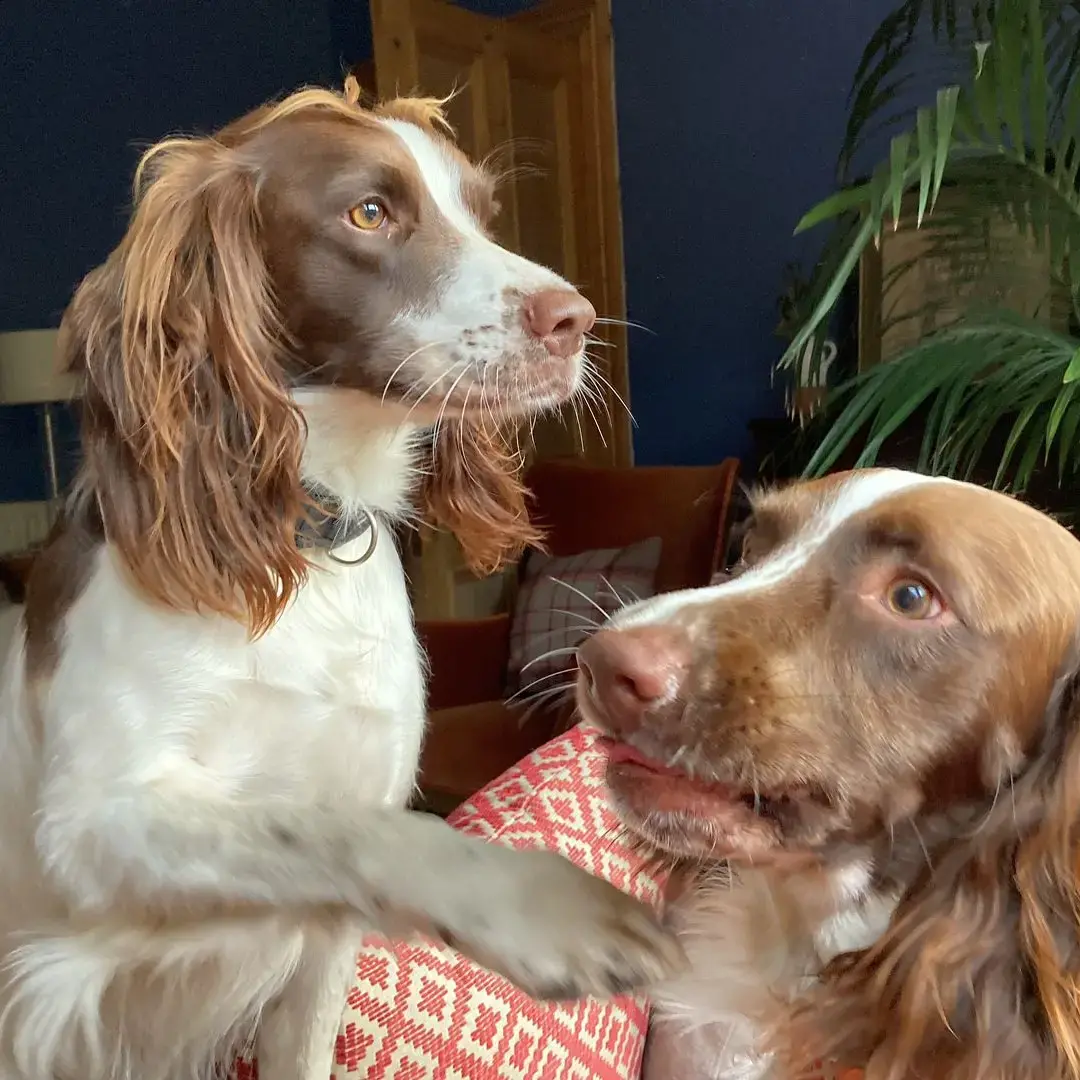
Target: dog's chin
x=528 y=387
x=513 y=389
x=692 y=818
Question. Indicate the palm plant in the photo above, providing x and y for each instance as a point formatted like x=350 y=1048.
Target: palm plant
x=1003 y=131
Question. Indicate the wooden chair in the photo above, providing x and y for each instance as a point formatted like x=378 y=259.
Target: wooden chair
x=473 y=736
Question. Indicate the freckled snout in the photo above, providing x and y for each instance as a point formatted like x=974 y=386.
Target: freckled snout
x=626 y=673
x=560 y=318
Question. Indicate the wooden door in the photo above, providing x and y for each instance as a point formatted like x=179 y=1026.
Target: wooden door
x=535 y=93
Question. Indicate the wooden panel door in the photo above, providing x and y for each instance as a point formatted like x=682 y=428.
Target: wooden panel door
x=534 y=94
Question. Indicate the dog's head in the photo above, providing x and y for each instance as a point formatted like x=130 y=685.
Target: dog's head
x=887 y=647
x=888 y=682
x=377 y=246
x=312 y=243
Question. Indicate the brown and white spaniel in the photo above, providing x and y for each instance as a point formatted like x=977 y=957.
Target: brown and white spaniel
x=212 y=715
x=864 y=751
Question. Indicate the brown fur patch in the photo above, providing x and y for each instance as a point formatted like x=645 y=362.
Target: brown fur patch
x=192 y=442
x=59 y=575
x=475 y=490
x=978 y=975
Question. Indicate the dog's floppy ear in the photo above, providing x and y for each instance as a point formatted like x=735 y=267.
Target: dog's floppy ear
x=978 y=975
x=192 y=442
x=1047 y=875
x=475 y=490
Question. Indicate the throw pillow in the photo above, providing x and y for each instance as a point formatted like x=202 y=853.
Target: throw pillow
x=562 y=600
x=424 y=1012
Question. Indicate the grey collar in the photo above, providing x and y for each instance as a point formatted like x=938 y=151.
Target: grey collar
x=325 y=527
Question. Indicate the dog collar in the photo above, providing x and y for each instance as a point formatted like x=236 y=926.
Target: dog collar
x=326 y=527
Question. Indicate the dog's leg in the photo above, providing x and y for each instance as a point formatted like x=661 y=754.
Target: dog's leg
x=296 y=1034
x=550 y=927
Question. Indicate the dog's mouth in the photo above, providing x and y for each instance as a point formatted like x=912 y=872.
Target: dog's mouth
x=515 y=387
x=531 y=386
x=682 y=791
x=709 y=817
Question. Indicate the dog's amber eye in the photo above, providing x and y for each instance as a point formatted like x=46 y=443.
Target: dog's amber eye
x=912 y=599
x=368 y=215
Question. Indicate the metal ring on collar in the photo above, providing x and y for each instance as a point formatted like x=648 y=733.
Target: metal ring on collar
x=373 y=532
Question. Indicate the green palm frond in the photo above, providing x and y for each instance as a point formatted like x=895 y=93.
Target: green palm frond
x=973 y=375
x=861 y=209
x=922 y=43
x=1006 y=137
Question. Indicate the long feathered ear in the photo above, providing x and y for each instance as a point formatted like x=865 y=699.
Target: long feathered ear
x=192 y=443
x=978 y=974
x=475 y=490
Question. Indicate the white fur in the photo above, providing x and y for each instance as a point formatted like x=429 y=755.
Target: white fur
x=146 y=703
x=753 y=944
x=474 y=294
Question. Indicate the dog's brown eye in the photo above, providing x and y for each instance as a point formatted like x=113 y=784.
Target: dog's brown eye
x=912 y=599
x=368 y=215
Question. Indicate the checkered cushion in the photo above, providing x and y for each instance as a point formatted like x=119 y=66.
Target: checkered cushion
x=560 y=602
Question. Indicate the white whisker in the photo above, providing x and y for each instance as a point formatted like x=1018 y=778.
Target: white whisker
x=412 y=355
x=593 y=390
x=435 y=382
x=624 y=322
x=922 y=844
x=548 y=655
x=588 y=402
x=566 y=631
x=587 y=623
x=525 y=691
x=436 y=430
x=574 y=589
x=618 y=397
x=614 y=593
x=545 y=700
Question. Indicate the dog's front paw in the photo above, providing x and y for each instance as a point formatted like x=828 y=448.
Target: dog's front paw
x=560 y=933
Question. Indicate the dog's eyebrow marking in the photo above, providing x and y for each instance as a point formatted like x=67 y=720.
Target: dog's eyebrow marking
x=856 y=495
x=440 y=173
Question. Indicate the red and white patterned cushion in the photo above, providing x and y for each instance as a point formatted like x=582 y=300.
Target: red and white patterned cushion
x=423 y=1012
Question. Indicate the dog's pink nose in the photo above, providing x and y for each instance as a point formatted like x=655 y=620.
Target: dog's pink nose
x=560 y=318
x=628 y=672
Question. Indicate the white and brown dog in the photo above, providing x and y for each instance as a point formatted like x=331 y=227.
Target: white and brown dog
x=865 y=749
x=211 y=720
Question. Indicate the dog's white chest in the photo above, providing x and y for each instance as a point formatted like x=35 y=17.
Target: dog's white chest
x=752 y=946
x=326 y=707
x=348 y=647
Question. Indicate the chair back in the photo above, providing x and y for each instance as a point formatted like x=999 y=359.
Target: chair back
x=585 y=507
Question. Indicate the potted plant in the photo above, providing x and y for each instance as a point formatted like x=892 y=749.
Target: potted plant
x=1004 y=129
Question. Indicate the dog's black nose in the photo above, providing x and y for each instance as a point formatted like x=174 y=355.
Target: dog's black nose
x=560 y=318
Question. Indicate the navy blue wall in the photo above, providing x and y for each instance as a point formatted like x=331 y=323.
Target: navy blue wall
x=730 y=118
x=91 y=82
x=730 y=115
x=87 y=84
